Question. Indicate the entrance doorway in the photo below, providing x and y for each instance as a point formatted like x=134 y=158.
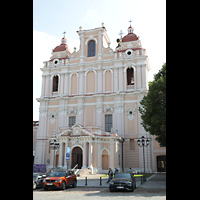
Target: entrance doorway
x=161 y=163
x=77 y=157
x=105 y=160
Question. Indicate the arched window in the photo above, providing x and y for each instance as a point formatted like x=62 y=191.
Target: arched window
x=91 y=48
x=55 y=83
x=130 y=76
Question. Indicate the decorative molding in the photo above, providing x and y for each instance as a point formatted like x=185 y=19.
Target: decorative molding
x=119 y=108
x=99 y=107
x=108 y=109
x=43 y=111
x=52 y=117
x=72 y=111
x=130 y=112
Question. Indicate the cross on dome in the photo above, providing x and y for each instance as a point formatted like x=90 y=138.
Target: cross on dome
x=130 y=22
x=64 y=33
x=121 y=33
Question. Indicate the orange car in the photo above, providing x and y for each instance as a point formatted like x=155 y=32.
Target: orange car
x=60 y=179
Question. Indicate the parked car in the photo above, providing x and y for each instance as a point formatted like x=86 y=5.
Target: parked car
x=125 y=181
x=60 y=179
x=37 y=180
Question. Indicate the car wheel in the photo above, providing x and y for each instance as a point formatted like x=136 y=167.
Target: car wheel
x=111 y=190
x=74 y=184
x=34 y=185
x=133 y=186
x=45 y=188
x=63 y=185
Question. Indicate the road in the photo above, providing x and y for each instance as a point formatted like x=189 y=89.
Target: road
x=98 y=193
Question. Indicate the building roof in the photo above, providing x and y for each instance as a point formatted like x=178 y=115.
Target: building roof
x=62 y=47
x=130 y=36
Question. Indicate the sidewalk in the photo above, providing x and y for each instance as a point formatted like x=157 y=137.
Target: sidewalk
x=156 y=181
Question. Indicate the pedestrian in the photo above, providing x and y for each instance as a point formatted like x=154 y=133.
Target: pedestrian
x=130 y=171
x=116 y=171
x=110 y=175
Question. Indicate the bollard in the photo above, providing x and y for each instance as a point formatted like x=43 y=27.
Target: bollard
x=86 y=180
x=100 y=181
x=141 y=179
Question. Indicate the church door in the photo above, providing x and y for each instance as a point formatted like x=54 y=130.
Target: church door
x=161 y=163
x=105 y=160
x=77 y=157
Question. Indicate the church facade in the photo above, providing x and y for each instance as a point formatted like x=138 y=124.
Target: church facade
x=89 y=102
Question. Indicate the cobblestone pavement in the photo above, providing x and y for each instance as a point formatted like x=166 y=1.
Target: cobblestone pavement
x=97 y=193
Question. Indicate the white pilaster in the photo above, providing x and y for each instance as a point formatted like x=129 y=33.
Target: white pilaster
x=112 y=155
x=91 y=154
x=99 y=156
x=85 y=155
x=60 y=155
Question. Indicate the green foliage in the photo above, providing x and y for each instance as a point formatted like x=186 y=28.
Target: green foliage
x=153 y=110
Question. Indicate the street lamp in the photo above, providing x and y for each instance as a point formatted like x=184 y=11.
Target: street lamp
x=54 y=146
x=143 y=142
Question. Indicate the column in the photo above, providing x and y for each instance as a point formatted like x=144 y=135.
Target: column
x=121 y=73
x=43 y=86
x=82 y=47
x=115 y=88
x=144 y=77
x=84 y=155
x=100 y=84
x=61 y=83
x=99 y=156
x=91 y=154
x=112 y=154
x=47 y=91
x=60 y=155
x=100 y=44
x=81 y=82
x=65 y=150
x=66 y=84
x=138 y=78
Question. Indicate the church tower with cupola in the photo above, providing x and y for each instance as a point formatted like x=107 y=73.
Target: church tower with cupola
x=89 y=102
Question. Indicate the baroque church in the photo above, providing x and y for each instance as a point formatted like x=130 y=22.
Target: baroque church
x=89 y=102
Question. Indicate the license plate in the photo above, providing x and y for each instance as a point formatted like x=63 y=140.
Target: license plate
x=49 y=183
x=120 y=187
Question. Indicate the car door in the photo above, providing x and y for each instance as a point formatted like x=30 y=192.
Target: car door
x=69 y=177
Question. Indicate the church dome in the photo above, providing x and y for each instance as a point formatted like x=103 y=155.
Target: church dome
x=130 y=36
x=62 y=47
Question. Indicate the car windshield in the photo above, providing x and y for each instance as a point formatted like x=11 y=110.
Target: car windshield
x=57 y=174
x=127 y=175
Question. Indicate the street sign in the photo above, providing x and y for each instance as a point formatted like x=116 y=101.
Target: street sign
x=67 y=156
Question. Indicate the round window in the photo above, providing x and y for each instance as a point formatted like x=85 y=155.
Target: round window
x=129 y=53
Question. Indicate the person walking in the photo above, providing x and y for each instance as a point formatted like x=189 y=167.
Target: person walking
x=116 y=171
x=110 y=174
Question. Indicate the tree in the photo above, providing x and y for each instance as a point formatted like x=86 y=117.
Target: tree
x=153 y=107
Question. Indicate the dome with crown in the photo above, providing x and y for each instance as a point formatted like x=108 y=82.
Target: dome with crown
x=130 y=36
x=62 y=47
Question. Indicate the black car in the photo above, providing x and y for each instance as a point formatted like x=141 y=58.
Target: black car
x=38 y=180
x=122 y=181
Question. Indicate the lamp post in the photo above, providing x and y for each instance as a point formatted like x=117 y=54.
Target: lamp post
x=54 y=146
x=143 y=142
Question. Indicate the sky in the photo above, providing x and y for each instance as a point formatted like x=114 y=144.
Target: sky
x=52 y=17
